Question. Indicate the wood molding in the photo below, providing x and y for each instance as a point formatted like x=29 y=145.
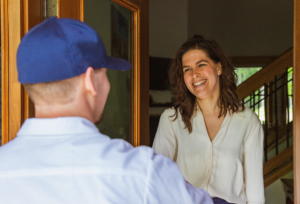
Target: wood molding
x=265 y=75
x=128 y=5
x=144 y=72
x=136 y=2
x=15 y=32
x=4 y=72
x=135 y=72
x=71 y=9
x=296 y=88
x=15 y=102
x=141 y=70
x=81 y=7
x=278 y=173
x=278 y=160
x=33 y=15
x=252 y=61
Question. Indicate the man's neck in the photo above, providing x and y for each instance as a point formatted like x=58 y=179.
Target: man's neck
x=65 y=110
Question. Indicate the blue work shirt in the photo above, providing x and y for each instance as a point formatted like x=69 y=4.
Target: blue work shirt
x=66 y=160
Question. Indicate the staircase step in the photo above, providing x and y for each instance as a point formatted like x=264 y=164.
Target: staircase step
x=278 y=173
x=278 y=160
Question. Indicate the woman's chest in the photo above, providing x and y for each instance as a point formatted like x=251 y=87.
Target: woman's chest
x=229 y=139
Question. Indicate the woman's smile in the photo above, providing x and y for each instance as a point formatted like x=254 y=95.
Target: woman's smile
x=199 y=83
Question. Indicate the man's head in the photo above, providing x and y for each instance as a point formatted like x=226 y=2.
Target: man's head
x=62 y=64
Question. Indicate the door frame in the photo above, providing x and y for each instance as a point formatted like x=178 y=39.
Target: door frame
x=296 y=94
x=135 y=72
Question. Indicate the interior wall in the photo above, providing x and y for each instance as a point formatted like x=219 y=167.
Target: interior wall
x=274 y=193
x=168 y=26
x=244 y=28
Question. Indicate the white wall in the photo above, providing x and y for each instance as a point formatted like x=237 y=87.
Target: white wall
x=244 y=28
x=274 y=193
x=168 y=26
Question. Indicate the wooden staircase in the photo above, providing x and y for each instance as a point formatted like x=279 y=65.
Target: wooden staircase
x=266 y=74
x=278 y=166
x=282 y=163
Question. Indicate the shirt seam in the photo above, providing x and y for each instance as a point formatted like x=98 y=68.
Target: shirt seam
x=175 y=136
x=52 y=172
x=147 y=182
x=58 y=135
x=255 y=203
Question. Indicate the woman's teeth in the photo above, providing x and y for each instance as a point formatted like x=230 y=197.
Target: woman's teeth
x=199 y=83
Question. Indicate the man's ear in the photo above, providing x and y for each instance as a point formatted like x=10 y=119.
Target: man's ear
x=89 y=80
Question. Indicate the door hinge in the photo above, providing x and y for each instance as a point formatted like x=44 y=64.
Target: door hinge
x=50 y=8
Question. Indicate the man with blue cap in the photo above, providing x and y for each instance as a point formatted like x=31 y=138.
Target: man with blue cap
x=60 y=156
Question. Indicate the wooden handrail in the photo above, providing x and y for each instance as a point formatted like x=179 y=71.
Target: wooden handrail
x=278 y=166
x=265 y=75
x=276 y=161
x=278 y=173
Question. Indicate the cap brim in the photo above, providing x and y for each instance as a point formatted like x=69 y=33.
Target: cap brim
x=117 y=64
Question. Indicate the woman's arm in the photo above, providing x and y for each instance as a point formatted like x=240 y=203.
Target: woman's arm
x=253 y=162
x=165 y=140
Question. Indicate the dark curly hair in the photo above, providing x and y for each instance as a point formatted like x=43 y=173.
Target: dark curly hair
x=184 y=99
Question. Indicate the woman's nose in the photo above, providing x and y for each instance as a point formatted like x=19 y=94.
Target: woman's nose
x=195 y=74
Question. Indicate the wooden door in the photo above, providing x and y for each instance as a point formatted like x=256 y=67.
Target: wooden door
x=296 y=77
x=18 y=16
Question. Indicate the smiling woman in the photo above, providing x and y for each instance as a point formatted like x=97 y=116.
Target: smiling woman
x=214 y=66
x=208 y=132
x=201 y=74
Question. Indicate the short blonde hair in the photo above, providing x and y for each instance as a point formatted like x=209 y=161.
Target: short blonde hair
x=58 y=92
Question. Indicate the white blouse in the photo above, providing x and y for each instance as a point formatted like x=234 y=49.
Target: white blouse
x=230 y=167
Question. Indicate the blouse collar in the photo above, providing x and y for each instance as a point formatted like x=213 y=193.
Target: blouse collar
x=240 y=113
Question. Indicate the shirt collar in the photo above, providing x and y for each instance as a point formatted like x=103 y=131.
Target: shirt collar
x=241 y=113
x=57 y=126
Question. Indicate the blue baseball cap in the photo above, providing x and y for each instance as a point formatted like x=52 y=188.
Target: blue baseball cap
x=62 y=48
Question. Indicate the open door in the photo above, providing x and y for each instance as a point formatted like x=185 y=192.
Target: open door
x=19 y=16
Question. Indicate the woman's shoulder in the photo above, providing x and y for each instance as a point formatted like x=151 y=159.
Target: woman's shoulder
x=248 y=114
x=170 y=113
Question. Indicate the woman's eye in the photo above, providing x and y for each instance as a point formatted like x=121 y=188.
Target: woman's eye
x=201 y=65
x=186 y=70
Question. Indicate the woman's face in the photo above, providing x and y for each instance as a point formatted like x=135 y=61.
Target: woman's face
x=201 y=74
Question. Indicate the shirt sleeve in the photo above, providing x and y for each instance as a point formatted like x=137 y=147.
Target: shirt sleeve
x=167 y=185
x=253 y=163
x=165 y=142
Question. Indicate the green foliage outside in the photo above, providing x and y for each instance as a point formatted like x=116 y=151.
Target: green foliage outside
x=244 y=73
